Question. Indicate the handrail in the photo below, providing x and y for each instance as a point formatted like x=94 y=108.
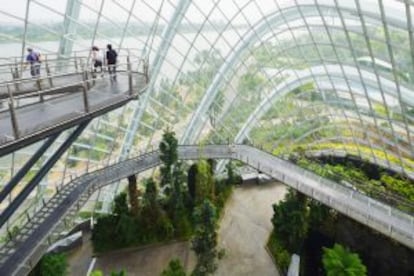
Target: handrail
x=58 y=67
x=72 y=83
x=28 y=246
x=13 y=60
x=41 y=91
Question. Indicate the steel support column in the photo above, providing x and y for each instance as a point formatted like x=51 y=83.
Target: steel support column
x=69 y=27
x=29 y=164
x=251 y=37
x=15 y=204
x=167 y=36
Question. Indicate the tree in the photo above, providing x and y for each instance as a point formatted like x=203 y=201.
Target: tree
x=191 y=181
x=97 y=273
x=133 y=194
x=54 y=264
x=204 y=182
x=290 y=220
x=175 y=268
x=156 y=223
x=120 y=273
x=150 y=194
x=339 y=261
x=176 y=201
x=205 y=238
x=168 y=156
x=120 y=205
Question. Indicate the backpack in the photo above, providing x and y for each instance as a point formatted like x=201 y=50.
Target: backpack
x=38 y=57
x=111 y=56
x=34 y=57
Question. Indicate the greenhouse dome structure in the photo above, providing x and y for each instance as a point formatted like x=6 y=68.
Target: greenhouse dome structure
x=289 y=77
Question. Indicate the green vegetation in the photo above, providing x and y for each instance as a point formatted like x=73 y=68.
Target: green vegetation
x=290 y=220
x=290 y=227
x=119 y=273
x=133 y=195
x=338 y=261
x=175 y=268
x=54 y=264
x=392 y=189
x=304 y=226
x=280 y=254
x=160 y=216
x=406 y=163
x=205 y=238
x=204 y=182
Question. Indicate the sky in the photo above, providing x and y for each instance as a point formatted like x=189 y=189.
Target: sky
x=44 y=11
x=144 y=9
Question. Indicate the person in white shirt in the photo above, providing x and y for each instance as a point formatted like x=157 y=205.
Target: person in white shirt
x=97 y=59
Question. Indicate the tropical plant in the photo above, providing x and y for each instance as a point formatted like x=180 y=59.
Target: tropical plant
x=339 y=261
x=54 y=264
x=204 y=182
x=168 y=156
x=120 y=204
x=97 y=273
x=290 y=220
x=205 y=238
x=175 y=268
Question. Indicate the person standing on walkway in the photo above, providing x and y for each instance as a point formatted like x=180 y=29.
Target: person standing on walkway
x=111 y=57
x=97 y=60
x=33 y=59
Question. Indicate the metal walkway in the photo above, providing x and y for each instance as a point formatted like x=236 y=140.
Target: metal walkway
x=33 y=109
x=24 y=251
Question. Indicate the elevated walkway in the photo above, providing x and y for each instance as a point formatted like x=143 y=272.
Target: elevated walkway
x=20 y=254
x=32 y=109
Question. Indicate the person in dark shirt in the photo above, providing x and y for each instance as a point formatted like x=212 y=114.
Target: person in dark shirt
x=111 y=57
x=33 y=59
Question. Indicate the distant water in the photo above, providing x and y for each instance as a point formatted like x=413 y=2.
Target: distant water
x=182 y=47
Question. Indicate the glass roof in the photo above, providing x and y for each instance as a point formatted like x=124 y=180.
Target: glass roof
x=315 y=75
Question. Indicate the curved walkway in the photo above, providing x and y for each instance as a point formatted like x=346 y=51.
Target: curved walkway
x=23 y=252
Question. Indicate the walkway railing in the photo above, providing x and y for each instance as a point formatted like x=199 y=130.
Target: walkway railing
x=70 y=78
x=24 y=250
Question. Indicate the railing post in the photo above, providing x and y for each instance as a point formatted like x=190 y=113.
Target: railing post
x=27 y=215
x=76 y=63
x=146 y=72
x=15 y=75
x=129 y=75
x=88 y=86
x=9 y=234
x=85 y=97
x=13 y=114
x=39 y=88
x=49 y=75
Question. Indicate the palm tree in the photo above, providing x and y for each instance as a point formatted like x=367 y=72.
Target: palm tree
x=339 y=261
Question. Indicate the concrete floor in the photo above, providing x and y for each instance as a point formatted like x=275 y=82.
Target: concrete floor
x=80 y=258
x=245 y=228
x=243 y=233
